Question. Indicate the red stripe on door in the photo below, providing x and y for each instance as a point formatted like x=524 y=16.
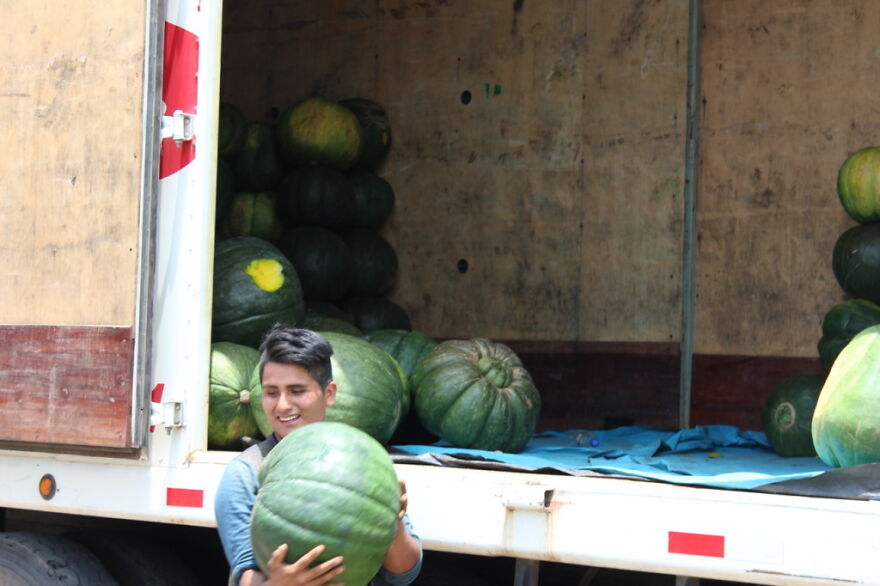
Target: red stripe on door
x=184 y=497
x=696 y=544
x=179 y=92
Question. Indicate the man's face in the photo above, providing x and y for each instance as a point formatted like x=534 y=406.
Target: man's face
x=292 y=398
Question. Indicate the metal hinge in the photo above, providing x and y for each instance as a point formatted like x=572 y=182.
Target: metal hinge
x=178 y=126
x=172 y=415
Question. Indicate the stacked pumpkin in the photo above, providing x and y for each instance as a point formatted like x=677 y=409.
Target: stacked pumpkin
x=832 y=414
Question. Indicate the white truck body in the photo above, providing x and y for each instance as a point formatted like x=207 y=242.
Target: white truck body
x=161 y=471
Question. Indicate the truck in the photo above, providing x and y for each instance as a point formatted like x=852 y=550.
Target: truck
x=633 y=195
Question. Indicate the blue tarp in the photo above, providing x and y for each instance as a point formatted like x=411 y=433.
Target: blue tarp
x=720 y=456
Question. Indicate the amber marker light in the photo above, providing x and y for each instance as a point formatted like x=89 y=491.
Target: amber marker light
x=47 y=486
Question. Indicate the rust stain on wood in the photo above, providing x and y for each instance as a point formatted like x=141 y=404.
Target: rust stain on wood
x=67 y=385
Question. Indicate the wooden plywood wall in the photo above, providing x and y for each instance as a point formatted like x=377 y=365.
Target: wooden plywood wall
x=70 y=171
x=538 y=150
x=788 y=92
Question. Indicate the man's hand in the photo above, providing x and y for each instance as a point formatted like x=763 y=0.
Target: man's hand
x=298 y=573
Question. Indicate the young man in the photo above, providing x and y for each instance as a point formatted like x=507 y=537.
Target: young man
x=297 y=381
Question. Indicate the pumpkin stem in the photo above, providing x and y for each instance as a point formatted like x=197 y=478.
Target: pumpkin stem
x=245 y=397
x=495 y=371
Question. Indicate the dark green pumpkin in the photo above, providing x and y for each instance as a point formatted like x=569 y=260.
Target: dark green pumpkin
x=252 y=214
x=476 y=394
x=843 y=321
x=406 y=346
x=787 y=416
x=376 y=130
x=316 y=196
x=846 y=421
x=373 y=200
x=858 y=185
x=856 y=262
x=319 y=131
x=257 y=166
x=318 y=308
x=370 y=313
x=229 y=411
x=322 y=260
x=327 y=483
x=231 y=130
x=375 y=262
x=331 y=324
x=370 y=386
x=255 y=287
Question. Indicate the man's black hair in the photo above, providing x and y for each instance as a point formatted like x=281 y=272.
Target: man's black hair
x=304 y=348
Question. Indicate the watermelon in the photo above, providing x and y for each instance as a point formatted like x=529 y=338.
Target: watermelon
x=371 y=313
x=253 y=214
x=370 y=386
x=323 y=261
x=476 y=394
x=257 y=166
x=376 y=130
x=316 y=196
x=375 y=262
x=846 y=421
x=321 y=131
x=787 y=416
x=373 y=200
x=843 y=321
x=231 y=130
x=229 y=396
x=255 y=287
x=858 y=185
x=327 y=483
x=856 y=262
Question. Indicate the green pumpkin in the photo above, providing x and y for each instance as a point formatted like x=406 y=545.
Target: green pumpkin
x=846 y=421
x=476 y=394
x=373 y=200
x=370 y=386
x=316 y=196
x=318 y=308
x=231 y=130
x=407 y=347
x=322 y=260
x=327 y=483
x=376 y=130
x=856 y=262
x=375 y=262
x=858 y=185
x=319 y=131
x=787 y=416
x=370 y=313
x=331 y=324
x=841 y=323
x=257 y=166
x=253 y=214
x=255 y=287
x=229 y=396
x=260 y=417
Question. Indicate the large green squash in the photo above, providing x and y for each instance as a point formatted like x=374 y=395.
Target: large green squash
x=322 y=259
x=321 y=131
x=370 y=386
x=231 y=130
x=846 y=422
x=252 y=214
x=229 y=411
x=788 y=414
x=327 y=483
x=370 y=313
x=843 y=321
x=316 y=196
x=318 y=308
x=375 y=262
x=256 y=396
x=858 y=185
x=856 y=262
x=373 y=200
x=476 y=394
x=255 y=287
x=331 y=324
x=376 y=130
x=406 y=346
x=257 y=166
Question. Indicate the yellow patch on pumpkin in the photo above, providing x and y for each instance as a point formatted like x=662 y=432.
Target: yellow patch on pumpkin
x=267 y=273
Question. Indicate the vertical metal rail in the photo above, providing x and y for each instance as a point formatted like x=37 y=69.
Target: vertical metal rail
x=689 y=236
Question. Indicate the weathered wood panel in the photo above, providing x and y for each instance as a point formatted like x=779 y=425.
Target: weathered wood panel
x=70 y=134
x=56 y=382
x=537 y=151
x=788 y=93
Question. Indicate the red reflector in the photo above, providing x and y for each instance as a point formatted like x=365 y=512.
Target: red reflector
x=184 y=497
x=696 y=544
